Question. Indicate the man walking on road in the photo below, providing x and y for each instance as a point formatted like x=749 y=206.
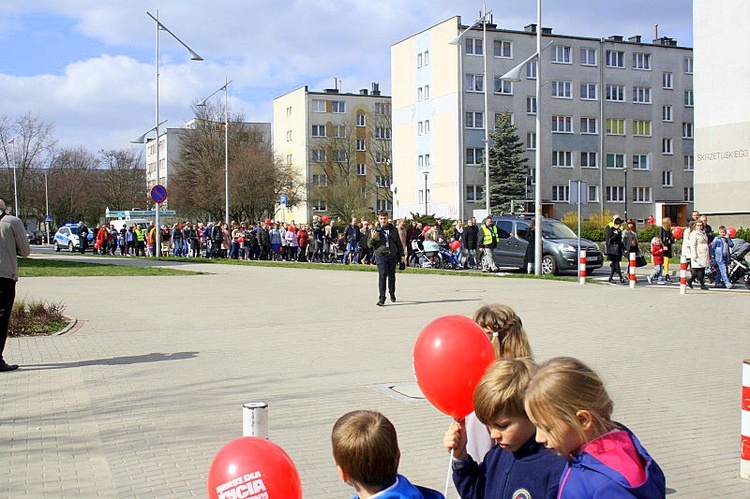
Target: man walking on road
x=488 y=238
x=13 y=243
x=388 y=252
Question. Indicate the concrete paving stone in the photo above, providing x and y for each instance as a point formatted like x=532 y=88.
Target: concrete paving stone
x=138 y=400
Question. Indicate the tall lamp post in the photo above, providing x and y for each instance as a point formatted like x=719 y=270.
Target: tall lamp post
x=15 y=178
x=193 y=57
x=457 y=41
x=625 y=171
x=225 y=88
x=515 y=75
x=426 y=174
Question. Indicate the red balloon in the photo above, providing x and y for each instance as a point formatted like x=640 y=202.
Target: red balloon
x=240 y=240
x=677 y=232
x=426 y=229
x=325 y=219
x=249 y=466
x=450 y=356
x=731 y=231
x=268 y=221
x=455 y=245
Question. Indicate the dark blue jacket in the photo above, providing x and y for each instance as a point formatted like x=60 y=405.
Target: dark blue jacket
x=599 y=471
x=405 y=490
x=532 y=470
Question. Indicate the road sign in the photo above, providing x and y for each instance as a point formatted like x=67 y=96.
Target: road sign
x=47 y=218
x=159 y=193
x=576 y=186
x=282 y=199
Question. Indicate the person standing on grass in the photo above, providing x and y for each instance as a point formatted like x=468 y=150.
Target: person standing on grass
x=13 y=243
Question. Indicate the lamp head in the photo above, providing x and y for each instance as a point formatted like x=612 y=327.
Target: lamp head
x=513 y=75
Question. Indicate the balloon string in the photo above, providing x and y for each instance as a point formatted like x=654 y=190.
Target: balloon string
x=448 y=477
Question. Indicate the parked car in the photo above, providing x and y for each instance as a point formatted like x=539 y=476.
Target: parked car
x=559 y=245
x=35 y=236
x=67 y=237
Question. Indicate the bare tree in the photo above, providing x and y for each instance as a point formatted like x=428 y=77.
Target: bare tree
x=124 y=179
x=75 y=186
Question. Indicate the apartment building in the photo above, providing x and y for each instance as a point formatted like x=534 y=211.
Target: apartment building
x=722 y=117
x=340 y=146
x=615 y=112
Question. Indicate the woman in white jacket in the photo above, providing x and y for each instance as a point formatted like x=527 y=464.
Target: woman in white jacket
x=699 y=254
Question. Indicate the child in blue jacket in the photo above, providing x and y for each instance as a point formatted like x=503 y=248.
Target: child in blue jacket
x=571 y=410
x=721 y=250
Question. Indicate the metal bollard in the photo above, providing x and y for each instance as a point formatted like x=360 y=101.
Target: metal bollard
x=745 y=425
x=582 y=268
x=683 y=275
x=255 y=419
x=631 y=270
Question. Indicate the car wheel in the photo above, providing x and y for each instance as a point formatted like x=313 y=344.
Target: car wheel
x=71 y=248
x=549 y=266
x=57 y=247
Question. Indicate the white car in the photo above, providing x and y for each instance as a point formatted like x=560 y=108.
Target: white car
x=67 y=237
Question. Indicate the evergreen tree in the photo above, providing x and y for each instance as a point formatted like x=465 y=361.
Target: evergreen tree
x=507 y=166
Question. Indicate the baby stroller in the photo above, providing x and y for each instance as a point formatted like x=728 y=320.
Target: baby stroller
x=738 y=268
x=427 y=254
x=448 y=257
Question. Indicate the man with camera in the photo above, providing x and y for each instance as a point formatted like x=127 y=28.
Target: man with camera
x=388 y=252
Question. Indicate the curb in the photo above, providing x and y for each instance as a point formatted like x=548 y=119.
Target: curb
x=67 y=328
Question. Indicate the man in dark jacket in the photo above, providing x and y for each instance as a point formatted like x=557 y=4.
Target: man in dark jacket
x=352 y=235
x=388 y=252
x=469 y=242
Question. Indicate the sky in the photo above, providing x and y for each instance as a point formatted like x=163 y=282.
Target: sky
x=88 y=67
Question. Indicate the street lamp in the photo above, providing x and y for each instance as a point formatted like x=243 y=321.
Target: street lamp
x=457 y=41
x=625 y=171
x=193 y=57
x=426 y=174
x=515 y=75
x=225 y=88
x=15 y=178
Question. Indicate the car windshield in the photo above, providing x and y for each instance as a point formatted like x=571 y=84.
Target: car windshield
x=554 y=229
x=74 y=230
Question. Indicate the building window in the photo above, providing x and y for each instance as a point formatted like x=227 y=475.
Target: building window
x=531 y=141
x=666 y=80
x=382 y=181
x=642 y=95
x=319 y=205
x=385 y=205
x=340 y=156
x=361 y=169
x=588 y=57
x=319 y=155
x=641 y=194
x=474 y=83
x=531 y=70
x=288 y=159
x=615 y=194
x=419 y=60
x=338 y=106
x=588 y=159
x=474 y=156
x=615 y=160
x=382 y=108
x=562 y=124
x=474 y=46
x=426 y=127
x=339 y=131
x=288 y=135
x=426 y=57
x=474 y=193
x=689 y=98
x=562 y=159
x=530 y=105
x=320 y=180
x=641 y=128
x=689 y=194
x=614 y=59
x=615 y=126
x=687 y=65
x=593 y=194
x=474 y=119
x=561 y=90
x=666 y=114
x=361 y=145
x=666 y=146
x=641 y=162
x=615 y=93
x=504 y=49
x=588 y=91
x=381 y=157
x=318 y=130
x=560 y=193
x=426 y=160
x=420 y=94
x=426 y=91
x=383 y=133
x=561 y=54
x=360 y=120
x=641 y=61
x=689 y=162
x=420 y=162
x=589 y=126
x=666 y=179
x=503 y=87
x=687 y=130
x=318 y=106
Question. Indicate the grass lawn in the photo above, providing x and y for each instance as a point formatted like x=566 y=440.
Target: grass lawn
x=30 y=267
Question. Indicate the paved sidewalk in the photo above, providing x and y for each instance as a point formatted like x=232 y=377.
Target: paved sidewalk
x=140 y=396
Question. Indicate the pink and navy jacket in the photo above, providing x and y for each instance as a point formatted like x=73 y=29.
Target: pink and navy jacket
x=613 y=466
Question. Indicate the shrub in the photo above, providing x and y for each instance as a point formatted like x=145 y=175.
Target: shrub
x=649 y=232
x=36 y=318
x=743 y=234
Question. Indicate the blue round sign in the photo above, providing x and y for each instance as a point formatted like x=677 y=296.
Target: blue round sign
x=159 y=193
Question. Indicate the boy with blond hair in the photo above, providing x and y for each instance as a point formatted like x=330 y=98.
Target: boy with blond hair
x=516 y=466
x=365 y=448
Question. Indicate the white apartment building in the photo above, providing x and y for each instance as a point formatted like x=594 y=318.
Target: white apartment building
x=616 y=113
x=319 y=132
x=722 y=113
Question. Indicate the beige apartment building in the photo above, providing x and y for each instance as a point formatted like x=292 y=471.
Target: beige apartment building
x=331 y=139
x=722 y=112
x=616 y=113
